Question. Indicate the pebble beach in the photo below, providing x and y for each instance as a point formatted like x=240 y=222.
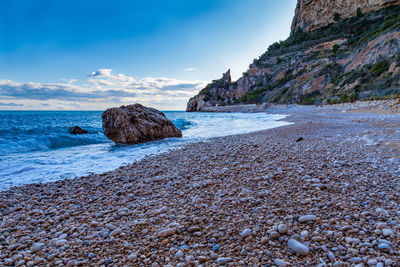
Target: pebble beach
x=324 y=191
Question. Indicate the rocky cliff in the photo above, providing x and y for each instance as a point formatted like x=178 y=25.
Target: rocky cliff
x=312 y=14
x=353 y=58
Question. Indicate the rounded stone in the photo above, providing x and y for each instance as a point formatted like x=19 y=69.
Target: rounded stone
x=297 y=247
x=282 y=228
x=245 y=233
x=307 y=218
x=223 y=261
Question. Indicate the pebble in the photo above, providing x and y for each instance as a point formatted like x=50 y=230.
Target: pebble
x=167 y=232
x=264 y=240
x=355 y=260
x=245 y=233
x=297 y=247
x=223 y=261
x=307 y=218
x=282 y=228
x=202 y=259
x=384 y=247
x=274 y=235
x=108 y=261
x=36 y=247
x=179 y=254
x=387 y=232
x=215 y=247
x=331 y=256
x=381 y=226
x=61 y=242
x=115 y=232
x=304 y=234
x=280 y=263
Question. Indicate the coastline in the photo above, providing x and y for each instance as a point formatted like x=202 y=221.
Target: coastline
x=380 y=106
x=220 y=202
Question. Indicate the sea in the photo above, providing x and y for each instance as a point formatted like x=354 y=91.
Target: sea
x=36 y=146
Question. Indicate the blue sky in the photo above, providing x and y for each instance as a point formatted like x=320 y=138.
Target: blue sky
x=96 y=54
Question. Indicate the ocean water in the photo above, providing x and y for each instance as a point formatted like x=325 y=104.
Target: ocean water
x=36 y=147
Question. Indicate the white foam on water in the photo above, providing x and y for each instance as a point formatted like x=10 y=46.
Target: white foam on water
x=95 y=154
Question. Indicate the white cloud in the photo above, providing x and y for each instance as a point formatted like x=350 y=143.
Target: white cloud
x=190 y=69
x=100 y=90
x=100 y=73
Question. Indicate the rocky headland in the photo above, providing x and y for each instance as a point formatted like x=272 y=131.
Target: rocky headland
x=338 y=52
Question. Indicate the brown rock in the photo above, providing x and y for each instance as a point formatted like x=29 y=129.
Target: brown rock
x=212 y=94
x=136 y=123
x=312 y=14
x=77 y=130
x=167 y=232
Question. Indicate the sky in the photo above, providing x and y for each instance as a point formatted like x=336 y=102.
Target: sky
x=92 y=55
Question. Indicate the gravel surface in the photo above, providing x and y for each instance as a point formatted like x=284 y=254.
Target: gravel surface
x=271 y=198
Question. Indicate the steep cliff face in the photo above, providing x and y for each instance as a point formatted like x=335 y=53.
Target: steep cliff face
x=355 y=58
x=312 y=14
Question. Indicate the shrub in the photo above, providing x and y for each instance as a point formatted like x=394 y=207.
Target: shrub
x=253 y=97
x=359 y=12
x=380 y=67
x=387 y=24
x=307 y=101
x=335 y=48
x=206 y=90
x=336 y=17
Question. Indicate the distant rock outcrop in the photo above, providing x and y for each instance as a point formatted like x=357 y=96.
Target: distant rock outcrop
x=220 y=92
x=77 y=130
x=212 y=94
x=312 y=14
x=136 y=123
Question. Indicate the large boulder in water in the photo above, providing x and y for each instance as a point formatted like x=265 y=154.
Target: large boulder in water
x=136 y=123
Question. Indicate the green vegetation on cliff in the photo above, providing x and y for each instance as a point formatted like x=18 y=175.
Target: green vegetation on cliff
x=371 y=80
x=348 y=60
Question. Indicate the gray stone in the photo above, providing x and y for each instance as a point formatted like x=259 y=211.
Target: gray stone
x=331 y=256
x=282 y=228
x=36 y=247
x=384 y=247
x=223 y=261
x=179 y=254
x=297 y=247
x=280 y=263
x=307 y=218
x=245 y=233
